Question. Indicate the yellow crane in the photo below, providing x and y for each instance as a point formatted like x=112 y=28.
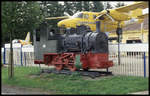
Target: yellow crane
x=110 y=19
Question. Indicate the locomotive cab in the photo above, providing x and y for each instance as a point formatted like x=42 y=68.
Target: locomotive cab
x=45 y=41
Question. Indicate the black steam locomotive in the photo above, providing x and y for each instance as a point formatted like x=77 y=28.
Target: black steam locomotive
x=60 y=50
x=82 y=39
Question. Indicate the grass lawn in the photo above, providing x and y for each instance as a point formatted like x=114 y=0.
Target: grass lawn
x=74 y=84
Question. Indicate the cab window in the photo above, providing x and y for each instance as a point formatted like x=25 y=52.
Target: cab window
x=51 y=34
x=133 y=41
x=78 y=15
x=85 y=16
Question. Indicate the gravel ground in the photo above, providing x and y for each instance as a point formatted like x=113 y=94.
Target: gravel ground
x=7 y=89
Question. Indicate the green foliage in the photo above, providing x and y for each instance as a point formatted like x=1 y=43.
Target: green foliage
x=68 y=7
x=78 y=6
x=74 y=84
x=53 y=9
x=108 y=6
x=119 y=4
x=20 y=18
x=97 y=6
x=86 y=6
x=25 y=16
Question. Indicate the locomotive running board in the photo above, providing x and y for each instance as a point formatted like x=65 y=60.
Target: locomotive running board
x=91 y=74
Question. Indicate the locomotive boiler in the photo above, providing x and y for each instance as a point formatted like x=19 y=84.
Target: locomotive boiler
x=60 y=50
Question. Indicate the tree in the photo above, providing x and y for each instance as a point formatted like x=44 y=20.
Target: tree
x=87 y=5
x=22 y=16
x=52 y=9
x=119 y=4
x=78 y=6
x=6 y=18
x=97 y=6
x=108 y=6
x=69 y=7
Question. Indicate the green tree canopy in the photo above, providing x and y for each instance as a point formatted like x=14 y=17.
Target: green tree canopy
x=19 y=17
x=24 y=16
x=97 y=6
x=119 y=4
x=108 y=6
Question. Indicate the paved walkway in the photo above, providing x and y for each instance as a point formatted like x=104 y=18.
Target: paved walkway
x=140 y=93
x=8 y=89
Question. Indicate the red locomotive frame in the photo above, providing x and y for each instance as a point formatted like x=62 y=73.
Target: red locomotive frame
x=89 y=60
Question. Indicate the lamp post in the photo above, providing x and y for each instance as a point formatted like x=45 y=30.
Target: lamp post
x=119 y=33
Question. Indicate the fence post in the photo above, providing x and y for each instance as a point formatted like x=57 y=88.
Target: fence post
x=25 y=58
x=144 y=65
x=4 y=54
x=21 y=55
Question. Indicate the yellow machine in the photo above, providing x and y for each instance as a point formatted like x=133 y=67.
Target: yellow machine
x=110 y=19
x=26 y=41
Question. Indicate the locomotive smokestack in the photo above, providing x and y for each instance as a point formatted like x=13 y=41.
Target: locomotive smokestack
x=98 y=26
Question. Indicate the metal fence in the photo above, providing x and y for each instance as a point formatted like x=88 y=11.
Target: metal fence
x=134 y=59
x=22 y=56
x=133 y=64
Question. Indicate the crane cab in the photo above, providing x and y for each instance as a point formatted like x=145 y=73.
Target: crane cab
x=80 y=18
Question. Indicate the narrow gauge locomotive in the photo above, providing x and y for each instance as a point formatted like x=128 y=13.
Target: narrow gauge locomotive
x=60 y=50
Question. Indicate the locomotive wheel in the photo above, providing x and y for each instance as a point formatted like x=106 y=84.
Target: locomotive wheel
x=59 y=67
x=71 y=67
